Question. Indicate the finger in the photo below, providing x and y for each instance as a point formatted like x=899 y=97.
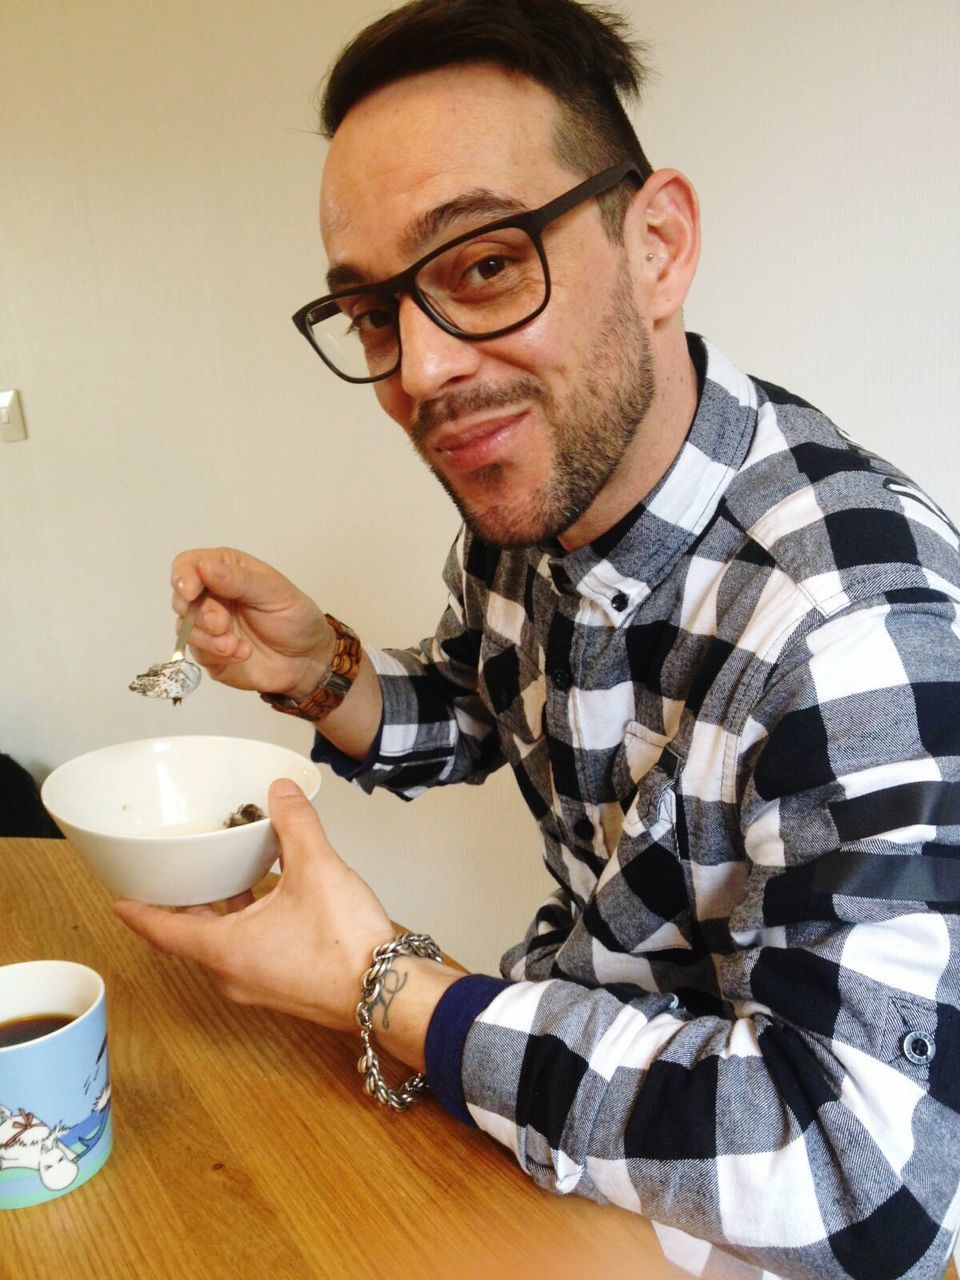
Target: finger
x=209 y=614
x=226 y=907
x=239 y=901
x=213 y=640
x=175 y=933
x=225 y=648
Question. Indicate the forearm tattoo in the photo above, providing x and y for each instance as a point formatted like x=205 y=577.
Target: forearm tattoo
x=393 y=983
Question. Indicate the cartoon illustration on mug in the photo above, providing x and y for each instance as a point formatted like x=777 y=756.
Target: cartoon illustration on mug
x=29 y=1142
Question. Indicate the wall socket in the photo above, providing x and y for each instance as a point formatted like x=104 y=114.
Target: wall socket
x=12 y=426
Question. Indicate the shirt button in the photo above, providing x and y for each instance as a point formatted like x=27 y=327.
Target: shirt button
x=918 y=1047
x=583 y=829
x=562 y=679
x=620 y=601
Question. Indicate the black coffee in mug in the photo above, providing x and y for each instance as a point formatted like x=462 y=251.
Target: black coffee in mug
x=31 y=1027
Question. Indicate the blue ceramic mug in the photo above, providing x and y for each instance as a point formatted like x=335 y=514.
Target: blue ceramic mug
x=56 y=1126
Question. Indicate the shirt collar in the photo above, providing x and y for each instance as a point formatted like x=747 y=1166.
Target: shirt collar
x=624 y=565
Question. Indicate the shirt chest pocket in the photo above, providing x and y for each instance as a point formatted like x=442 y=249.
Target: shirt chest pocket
x=646 y=776
x=643 y=895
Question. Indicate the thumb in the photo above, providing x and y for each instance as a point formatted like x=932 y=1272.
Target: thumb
x=296 y=823
x=228 y=574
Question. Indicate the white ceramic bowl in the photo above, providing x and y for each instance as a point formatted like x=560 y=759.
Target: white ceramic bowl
x=148 y=815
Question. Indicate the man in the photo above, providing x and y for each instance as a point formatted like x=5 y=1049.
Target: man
x=717 y=643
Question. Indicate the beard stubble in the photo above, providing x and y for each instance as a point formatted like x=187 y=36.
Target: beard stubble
x=591 y=430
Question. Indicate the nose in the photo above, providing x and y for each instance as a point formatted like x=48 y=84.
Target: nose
x=431 y=359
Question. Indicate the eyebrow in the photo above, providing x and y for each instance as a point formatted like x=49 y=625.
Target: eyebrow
x=479 y=204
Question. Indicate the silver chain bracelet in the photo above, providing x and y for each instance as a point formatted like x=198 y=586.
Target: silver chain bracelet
x=371 y=984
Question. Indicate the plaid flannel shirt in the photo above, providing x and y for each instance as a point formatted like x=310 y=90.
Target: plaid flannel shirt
x=736 y=721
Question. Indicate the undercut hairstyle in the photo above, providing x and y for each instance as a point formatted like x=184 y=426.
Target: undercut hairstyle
x=582 y=54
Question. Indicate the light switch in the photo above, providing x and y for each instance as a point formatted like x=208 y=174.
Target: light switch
x=12 y=426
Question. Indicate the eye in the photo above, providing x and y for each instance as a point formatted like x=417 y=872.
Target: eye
x=486 y=266
x=365 y=322
x=490 y=266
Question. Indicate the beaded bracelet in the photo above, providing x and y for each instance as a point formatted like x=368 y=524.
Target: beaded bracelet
x=335 y=683
x=371 y=985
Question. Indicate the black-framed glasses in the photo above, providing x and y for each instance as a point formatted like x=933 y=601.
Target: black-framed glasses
x=482 y=284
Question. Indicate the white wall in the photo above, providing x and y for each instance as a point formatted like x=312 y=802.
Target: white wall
x=157 y=228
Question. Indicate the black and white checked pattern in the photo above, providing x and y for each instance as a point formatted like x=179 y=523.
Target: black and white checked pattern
x=736 y=721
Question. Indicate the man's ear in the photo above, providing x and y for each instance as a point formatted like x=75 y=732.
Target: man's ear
x=662 y=233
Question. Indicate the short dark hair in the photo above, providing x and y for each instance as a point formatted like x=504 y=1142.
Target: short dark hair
x=582 y=54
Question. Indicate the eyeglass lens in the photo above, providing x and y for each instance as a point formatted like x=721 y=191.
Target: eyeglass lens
x=493 y=282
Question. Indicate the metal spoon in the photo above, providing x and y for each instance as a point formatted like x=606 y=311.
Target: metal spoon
x=178 y=677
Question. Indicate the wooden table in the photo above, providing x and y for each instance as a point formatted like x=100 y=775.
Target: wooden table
x=244 y=1147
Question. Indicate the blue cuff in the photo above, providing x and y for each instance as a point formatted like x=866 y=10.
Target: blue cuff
x=344 y=766
x=456 y=1012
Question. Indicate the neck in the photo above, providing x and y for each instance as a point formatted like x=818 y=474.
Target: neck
x=650 y=454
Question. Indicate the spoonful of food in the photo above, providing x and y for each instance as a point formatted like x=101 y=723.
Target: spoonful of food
x=178 y=677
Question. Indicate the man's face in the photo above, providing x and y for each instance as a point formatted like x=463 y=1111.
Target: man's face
x=523 y=431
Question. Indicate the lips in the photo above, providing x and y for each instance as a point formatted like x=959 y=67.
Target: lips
x=477 y=444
